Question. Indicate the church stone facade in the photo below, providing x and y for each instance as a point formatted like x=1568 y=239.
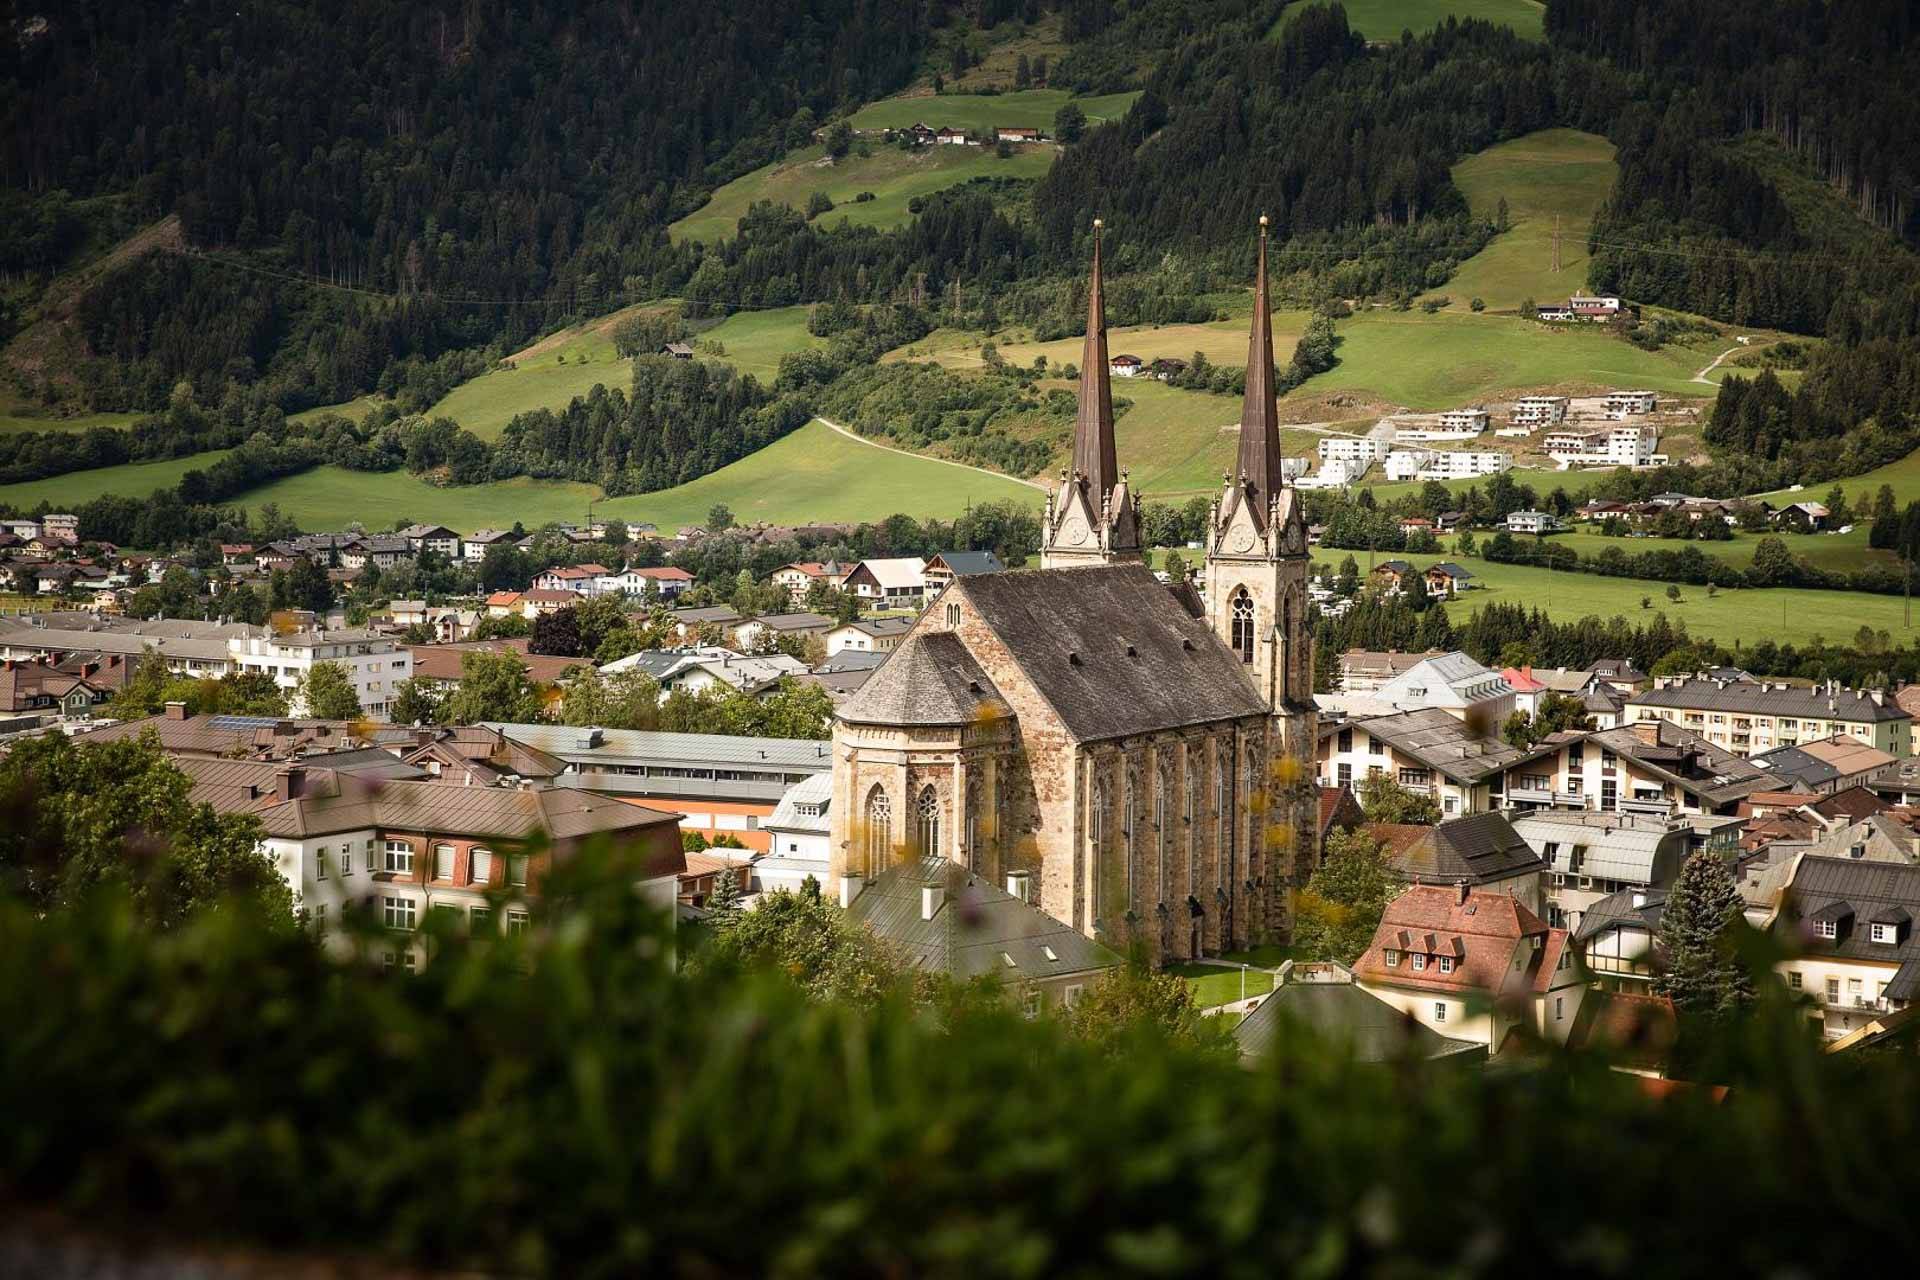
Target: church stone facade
x=1133 y=758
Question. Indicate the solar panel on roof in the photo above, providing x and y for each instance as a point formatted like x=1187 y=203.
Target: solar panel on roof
x=242 y=722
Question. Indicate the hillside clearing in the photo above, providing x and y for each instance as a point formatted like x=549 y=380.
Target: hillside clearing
x=754 y=341
x=1025 y=109
x=1384 y=20
x=1557 y=178
x=894 y=177
x=129 y=480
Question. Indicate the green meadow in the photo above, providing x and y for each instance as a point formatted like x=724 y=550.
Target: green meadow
x=754 y=341
x=1023 y=109
x=892 y=176
x=18 y=418
x=1381 y=20
x=129 y=480
x=1554 y=178
x=1732 y=617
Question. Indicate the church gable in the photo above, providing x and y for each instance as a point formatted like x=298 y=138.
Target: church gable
x=1111 y=650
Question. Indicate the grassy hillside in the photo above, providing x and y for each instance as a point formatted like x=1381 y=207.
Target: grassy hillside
x=818 y=474
x=1903 y=476
x=17 y=418
x=893 y=176
x=1380 y=20
x=133 y=480
x=1445 y=360
x=1556 y=172
x=1177 y=444
x=754 y=341
x=1223 y=341
x=1786 y=615
x=1025 y=109
x=333 y=497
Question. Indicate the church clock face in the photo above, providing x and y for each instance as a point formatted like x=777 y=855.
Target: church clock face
x=1074 y=531
x=1240 y=540
x=1296 y=540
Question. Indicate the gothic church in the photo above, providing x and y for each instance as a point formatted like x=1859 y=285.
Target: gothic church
x=1136 y=759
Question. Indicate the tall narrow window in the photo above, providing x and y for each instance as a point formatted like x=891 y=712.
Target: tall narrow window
x=1166 y=832
x=1242 y=606
x=1097 y=844
x=879 y=831
x=928 y=817
x=1286 y=643
x=1127 y=832
x=972 y=849
x=443 y=862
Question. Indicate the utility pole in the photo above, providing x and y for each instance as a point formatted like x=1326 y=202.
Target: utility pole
x=1556 y=244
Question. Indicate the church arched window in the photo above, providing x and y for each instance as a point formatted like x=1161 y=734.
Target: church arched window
x=972 y=849
x=1242 y=609
x=1097 y=844
x=1166 y=831
x=927 y=822
x=1129 y=823
x=879 y=831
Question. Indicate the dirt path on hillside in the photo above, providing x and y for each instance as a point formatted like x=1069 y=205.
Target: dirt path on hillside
x=1733 y=350
x=964 y=466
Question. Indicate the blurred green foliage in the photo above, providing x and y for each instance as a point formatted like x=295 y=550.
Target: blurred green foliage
x=564 y=1102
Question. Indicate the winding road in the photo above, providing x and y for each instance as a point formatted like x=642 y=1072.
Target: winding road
x=927 y=457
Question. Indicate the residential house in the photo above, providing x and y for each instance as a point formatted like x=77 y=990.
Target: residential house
x=868 y=635
x=799 y=578
x=709 y=668
x=1826 y=765
x=1590 y=856
x=1616 y=937
x=1483 y=850
x=1391 y=575
x=951 y=137
x=689 y=624
x=946 y=919
x=1412 y=525
x=717 y=783
x=1006 y=133
x=539 y=600
x=706 y=868
x=945 y=566
x=1432 y=752
x=1473 y=966
x=1365 y=670
x=1748 y=717
x=1323 y=1000
x=1339 y=811
x=72 y=686
x=1630 y=402
x=1532 y=522
x=374 y=665
x=579 y=578
x=1445 y=579
x=440 y=665
x=797 y=836
x=678 y=350
x=769 y=628
x=504 y=604
x=1897 y=783
x=1362 y=451
x=477 y=546
x=414 y=848
x=1887 y=836
x=1124 y=366
x=61 y=526
x=1618 y=446
x=1451 y=682
x=1852 y=920
x=233 y=553
x=1649 y=767
x=665 y=581
x=1539 y=411
x=1811 y=516
x=432 y=537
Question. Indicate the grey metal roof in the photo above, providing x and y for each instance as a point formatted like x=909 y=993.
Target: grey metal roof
x=1481 y=848
x=977 y=929
x=1367 y=1027
x=879 y=627
x=1772 y=699
x=1618 y=910
x=815 y=792
x=795 y=621
x=1615 y=849
x=642 y=746
x=966 y=563
x=1828 y=888
x=1445 y=743
x=1794 y=764
x=1688 y=760
x=930 y=679
x=1111 y=650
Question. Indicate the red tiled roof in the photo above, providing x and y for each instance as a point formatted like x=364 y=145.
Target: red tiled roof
x=665 y=573
x=1481 y=934
x=504 y=598
x=540 y=595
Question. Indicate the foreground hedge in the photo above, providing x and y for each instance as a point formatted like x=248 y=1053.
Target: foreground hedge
x=567 y=1105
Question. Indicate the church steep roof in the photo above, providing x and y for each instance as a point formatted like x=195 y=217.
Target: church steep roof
x=930 y=679
x=1111 y=650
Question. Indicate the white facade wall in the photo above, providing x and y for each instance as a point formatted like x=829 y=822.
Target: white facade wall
x=1854 y=997
x=1540 y=410
x=374 y=667
x=1362 y=449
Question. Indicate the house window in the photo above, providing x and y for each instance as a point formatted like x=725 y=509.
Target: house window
x=1071 y=996
x=1883 y=933
x=1439 y=1011
x=1833 y=990
x=1827 y=928
x=953 y=615
x=346 y=861
x=1446 y=964
x=1393 y=959
x=480 y=919
x=1346 y=740
x=517 y=871
x=1030 y=1002
x=319 y=916
x=516 y=922
x=1419 y=961
x=479 y=866
x=1243 y=625
x=1577 y=753
x=399 y=856
x=320 y=865
x=399 y=912
x=1855 y=988
x=1559 y=1008
x=1794 y=980
x=443 y=862
x=1346 y=775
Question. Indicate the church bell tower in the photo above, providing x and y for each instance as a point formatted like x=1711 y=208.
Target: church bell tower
x=1093 y=517
x=1257 y=545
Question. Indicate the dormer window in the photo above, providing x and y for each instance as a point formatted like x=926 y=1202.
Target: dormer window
x=1827 y=928
x=1446 y=964
x=1393 y=959
x=1419 y=961
x=1885 y=933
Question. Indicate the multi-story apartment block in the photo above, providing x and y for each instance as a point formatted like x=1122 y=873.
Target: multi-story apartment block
x=1650 y=767
x=375 y=666
x=1747 y=717
x=1539 y=411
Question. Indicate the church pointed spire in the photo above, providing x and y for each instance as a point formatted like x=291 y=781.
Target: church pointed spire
x=1258 y=467
x=1094 y=457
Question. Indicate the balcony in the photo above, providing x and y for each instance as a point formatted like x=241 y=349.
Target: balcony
x=1656 y=806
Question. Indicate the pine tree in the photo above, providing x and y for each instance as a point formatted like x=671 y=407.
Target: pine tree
x=723 y=904
x=1702 y=974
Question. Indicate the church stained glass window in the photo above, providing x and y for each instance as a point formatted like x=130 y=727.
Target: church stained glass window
x=1243 y=624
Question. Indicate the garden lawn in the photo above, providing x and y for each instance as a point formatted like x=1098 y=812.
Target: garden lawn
x=130 y=480
x=1024 y=109
x=1732 y=617
x=1212 y=985
x=1448 y=360
x=754 y=341
x=817 y=474
x=893 y=176
x=1384 y=20
x=1554 y=173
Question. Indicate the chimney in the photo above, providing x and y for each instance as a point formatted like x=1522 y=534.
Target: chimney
x=176 y=711
x=290 y=783
x=1020 y=885
x=1648 y=731
x=850 y=887
x=1639 y=898
x=930 y=899
x=1461 y=889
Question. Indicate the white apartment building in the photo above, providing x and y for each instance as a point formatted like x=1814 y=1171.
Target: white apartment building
x=1625 y=402
x=1454 y=424
x=1446 y=464
x=1333 y=474
x=1621 y=446
x=1363 y=450
x=1539 y=411
x=374 y=665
